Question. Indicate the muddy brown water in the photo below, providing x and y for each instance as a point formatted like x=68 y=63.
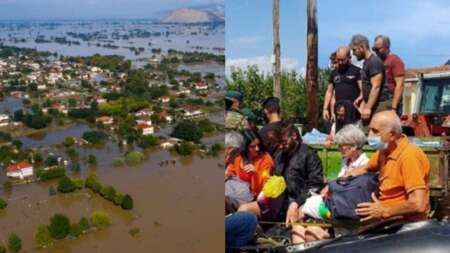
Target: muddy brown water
x=177 y=208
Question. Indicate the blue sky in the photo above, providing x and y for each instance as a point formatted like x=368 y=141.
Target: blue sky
x=90 y=9
x=419 y=30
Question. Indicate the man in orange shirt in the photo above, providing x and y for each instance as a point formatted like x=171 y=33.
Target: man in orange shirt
x=404 y=173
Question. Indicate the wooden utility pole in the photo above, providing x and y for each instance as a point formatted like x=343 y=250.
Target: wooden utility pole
x=311 y=66
x=276 y=49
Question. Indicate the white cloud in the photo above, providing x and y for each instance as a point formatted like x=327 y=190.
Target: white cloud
x=264 y=64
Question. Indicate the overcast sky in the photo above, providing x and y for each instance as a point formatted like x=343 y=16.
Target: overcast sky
x=90 y=9
x=419 y=30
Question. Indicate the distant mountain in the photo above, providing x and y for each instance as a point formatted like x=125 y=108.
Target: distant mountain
x=199 y=14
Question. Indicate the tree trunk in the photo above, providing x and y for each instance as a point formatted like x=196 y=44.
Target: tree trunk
x=311 y=66
x=276 y=49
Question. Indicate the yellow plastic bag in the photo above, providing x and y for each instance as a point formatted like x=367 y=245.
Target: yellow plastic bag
x=274 y=187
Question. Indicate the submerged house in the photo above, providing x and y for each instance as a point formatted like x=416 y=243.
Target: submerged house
x=20 y=170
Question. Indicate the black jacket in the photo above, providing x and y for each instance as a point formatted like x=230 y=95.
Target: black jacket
x=302 y=171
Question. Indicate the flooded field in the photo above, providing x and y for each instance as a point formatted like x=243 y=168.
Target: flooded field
x=172 y=204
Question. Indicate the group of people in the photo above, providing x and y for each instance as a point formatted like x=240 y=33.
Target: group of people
x=361 y=102
x=355 y=94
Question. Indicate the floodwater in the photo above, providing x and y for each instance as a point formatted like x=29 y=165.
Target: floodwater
x=177 y=208
x=54 y=137
x=10 y=104
x=179 y=37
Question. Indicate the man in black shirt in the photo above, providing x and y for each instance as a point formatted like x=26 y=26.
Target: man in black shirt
x=271 y=107
x=372 y=77
x=346 y=78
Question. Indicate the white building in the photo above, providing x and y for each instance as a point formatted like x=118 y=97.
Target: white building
x=147 y=129
x=4 y=120
x=20 y=170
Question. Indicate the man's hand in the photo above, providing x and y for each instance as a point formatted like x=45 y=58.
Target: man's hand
x=292 y=213
x=357 y=101
x=326 y=115
x=372 y=210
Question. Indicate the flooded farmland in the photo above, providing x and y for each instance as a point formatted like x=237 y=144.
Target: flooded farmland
x=171 y=204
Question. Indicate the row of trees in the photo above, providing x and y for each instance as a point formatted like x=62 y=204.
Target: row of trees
x=109 y=192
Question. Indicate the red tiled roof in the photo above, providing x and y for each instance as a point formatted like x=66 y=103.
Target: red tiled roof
x=143 y=125
x=104 y=118
x=18 y=166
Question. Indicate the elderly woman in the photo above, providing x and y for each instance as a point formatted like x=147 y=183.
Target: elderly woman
x=350 y=140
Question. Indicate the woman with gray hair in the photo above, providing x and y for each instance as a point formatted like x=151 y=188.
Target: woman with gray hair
x=350 y=140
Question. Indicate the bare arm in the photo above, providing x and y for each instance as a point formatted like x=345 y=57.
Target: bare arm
x=416 y=203
x=399 y=81
x=327 y=101
x=375 y=90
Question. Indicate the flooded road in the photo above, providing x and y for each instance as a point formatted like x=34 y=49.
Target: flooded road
x=177 y=208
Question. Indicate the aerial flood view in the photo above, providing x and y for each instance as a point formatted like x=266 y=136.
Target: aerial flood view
x=111 y=133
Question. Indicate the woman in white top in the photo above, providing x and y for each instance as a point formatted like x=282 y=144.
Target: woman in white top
x=350 y=140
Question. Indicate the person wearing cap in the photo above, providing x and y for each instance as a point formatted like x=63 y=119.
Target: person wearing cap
x=233 y=116
x=251 y=118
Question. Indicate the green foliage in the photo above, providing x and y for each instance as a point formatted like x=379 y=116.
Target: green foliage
x=146 y=141
x=206 y=126
x=92 y=182
x=51 y=160
x=45 y=175
x=188 y=131
x=185 y=148
x=216 y=148
x=14 y=243
x=68 y=141
x=118 y=162
x=114 y=63
x=108 y=192
x=84 y=223
x=100 y=219
x=118 y=199
x=5 y=137
x=66 y=185
x=3 y=204
x=2 y=249
x=95 y=137
x=36 y=120
x=43 y=237
x=127 y=202
x=78 y=182
x=59 y=226
x=256 y=86
x=92 y=160
x=83 y=113
x=75 y=230
x=134 y=157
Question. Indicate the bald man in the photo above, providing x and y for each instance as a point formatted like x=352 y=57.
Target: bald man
x=404 y=173
x=345 y=84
